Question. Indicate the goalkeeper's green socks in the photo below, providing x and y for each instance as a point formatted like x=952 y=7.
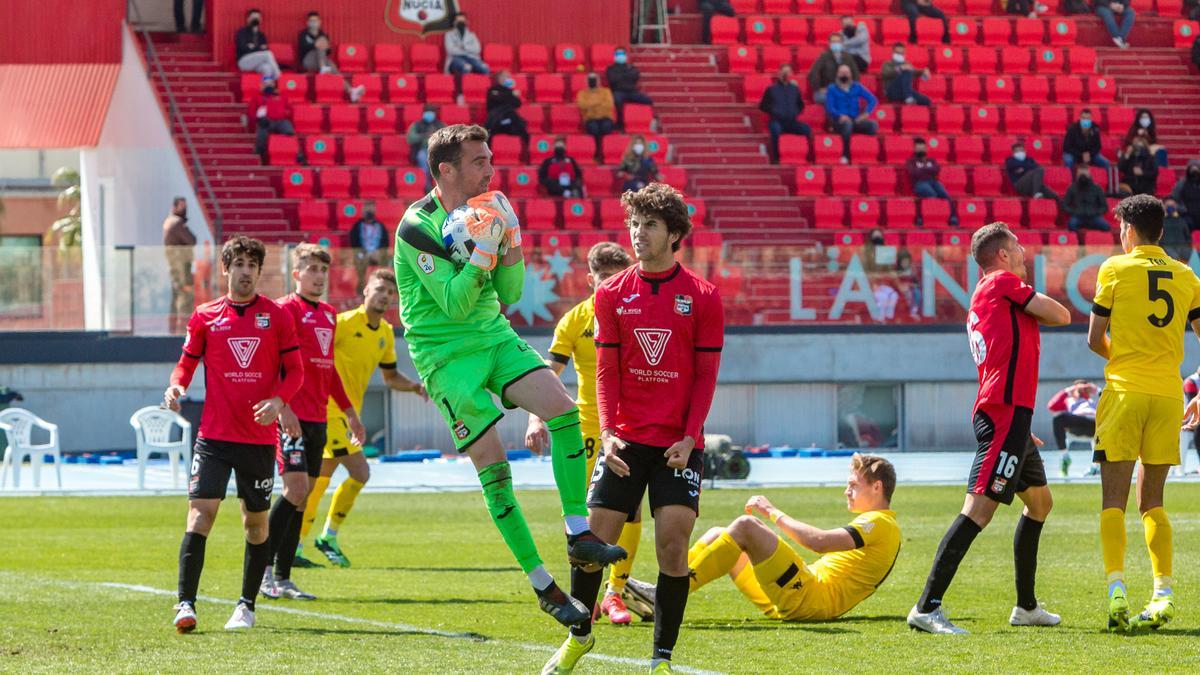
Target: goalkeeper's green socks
x=569 y=461
x=496 y=480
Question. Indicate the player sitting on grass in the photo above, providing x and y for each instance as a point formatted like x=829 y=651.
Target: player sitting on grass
x=855 y=559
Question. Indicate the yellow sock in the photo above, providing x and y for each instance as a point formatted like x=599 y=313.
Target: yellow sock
x=714 y=561
x=747 y=583
x=695 y=550
x=343 y=501
x=1112 y=543
x=1158 y=540
x=320 y=485
x=631 y=536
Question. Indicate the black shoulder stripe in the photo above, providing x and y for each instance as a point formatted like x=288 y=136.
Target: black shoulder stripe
x=190 y=355
x=607 y=344
x=1101 y=310
x=560 y=358
x=1032 y=295
x=388 y=366
x=1194 y=314
x=289 y=349
x=855 y=535
x=417 y=238
x=428 y=204
x=708 y=349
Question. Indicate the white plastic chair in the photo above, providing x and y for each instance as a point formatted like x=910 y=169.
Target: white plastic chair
x=18 y=425
x=152 y=426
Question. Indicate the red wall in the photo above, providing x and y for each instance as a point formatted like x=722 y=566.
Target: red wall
x=362 y=21
x=61 y=31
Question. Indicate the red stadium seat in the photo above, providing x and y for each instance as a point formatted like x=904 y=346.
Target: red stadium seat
x=345 y=119
x=549 y=88
x=1007 y=210
x=965 y=89
x=864 y=150
x=947 y=60
x=914 y=119
x=876 y=6
x=390 y=211
x=569 y=58
x=612 y=214
x=394 y=150
x=968 y=150
x=1185 y=33
x=578 y=214
x=829 y=213
x=744 y=7
x=250 y=85
x=576 y=82
x=827 y=149
x=564 y=118
x=793 y=30
x=929 y=30
x=372 y=85
x=389 y=58
x=335 y=183
x=901 y=213
x=1062 y=32
x=1097 y=239
x=1018 y=120
x=602 y=56
x=1101 y=90
x=475 y=87
x=358 y=150
x=935 y=87
x=979 y=7
x=743 y=59
x=753 y=86
x=1043 y=213
x=1058 y=179
x=285 y=54
x=313 y=214
x=1081 y=60
x=1049 y=60
x=1068 y=89
x=297 y=182
x=951 y=119
x=864 y=213
x=599 y=181
x=522 y=182
x=935 y=213
x=724 y=30
x=425 y=58
x=320 y=150
x=896 y=149
x=954 y=179
x=938 y=148
x=774 y=56
x=541 y=146
x=1040 y=149
x=347 y=212
x=293 y=87
x=881 y=181
x=1035 y=89
x=972 y=213
x=986 y=181
x=675 y=176
x=498 y=57
x=845 y=180
x=843 y=7
x=1015 y=60
x=1029 y=32
x=760 y=30
x=810 y=6
x=892 y=29
x=452 y=114
x=777 y=6
x=329 y=88
x=806 y=56
x=582 y=148
x=656 y=147
x=996 y=32
x=403 y=88
x=352 y=58
x=374 y=183
x=999 y=88
x=638 y=118
x=963 y=32
x=534 y=58
x=308 y=119
x=1117 y=117
x=540 y=214
x=613 y=146
x=810 y=180
x=1053 y=120
x=982 y=60
x=439 y=88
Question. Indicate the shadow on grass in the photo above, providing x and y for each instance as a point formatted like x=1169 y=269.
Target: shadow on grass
x=828 y=628
x=379 y=632
x=432 y=601
x=485 y=570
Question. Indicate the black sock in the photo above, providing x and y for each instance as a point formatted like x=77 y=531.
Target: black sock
x=1025 y=552
x=285 y=553
x=950 y=553
x=254 y=563
x=191 y=563
x=584 y=588
x=277 y=525
x=669 y=602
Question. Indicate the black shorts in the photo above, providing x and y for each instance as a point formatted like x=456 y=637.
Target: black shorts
x=1007 y=461
x=213 y=460
x=648 y=469
x=304 y=453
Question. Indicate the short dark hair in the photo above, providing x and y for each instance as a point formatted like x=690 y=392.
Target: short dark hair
x=384 y=274
x=987 y=242
x=242 y=245
x=307 y=250
x=608 y=255
x=445 y=145
x=899 y=45
x=312 y=14
x=918 y=141
x=1085 y=111
x=1145 y=214
x=1018 y=144
x=664 y=202
x=253 y=10
x=177 y=199
x=876 y=469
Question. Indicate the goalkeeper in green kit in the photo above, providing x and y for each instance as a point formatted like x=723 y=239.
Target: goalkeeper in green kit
x=465 y=350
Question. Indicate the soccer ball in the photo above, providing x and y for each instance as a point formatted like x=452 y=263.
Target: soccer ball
x=455 y=235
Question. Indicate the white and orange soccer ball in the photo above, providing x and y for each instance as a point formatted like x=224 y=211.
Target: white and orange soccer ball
x=488 y=209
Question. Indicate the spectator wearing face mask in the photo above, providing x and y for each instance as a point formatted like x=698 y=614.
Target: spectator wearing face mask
x=923 y=173
x=637 y=168
x=463 y=49
x=1082 y=143
x=1177 y=233
x=253 y=52
x=272 y=114
x=1186 y=194
x=1138 y=169
x=1109 y=11
x=917 y=8
x=596 y=109
x=1028 y=8
x=707 y=9
x=623 y=79
x=897 y=76
x=1145 y=128
x=313 y=49
x=1025 y=175
x=1085 y=204
x=824 y=70
x=845 y=109
x=418 y=138
x=857 y=42
x=782 y=101
x=503 y=102
x=369 y=241
x=908 y=282
x=559 y=174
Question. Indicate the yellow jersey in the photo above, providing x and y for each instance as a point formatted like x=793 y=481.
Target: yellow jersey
x=1149 y=300
x=573 y=339
x=357 y=350
x=852 y=576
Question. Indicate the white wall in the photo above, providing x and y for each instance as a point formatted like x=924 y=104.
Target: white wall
x=138 y=169
x=24 y=164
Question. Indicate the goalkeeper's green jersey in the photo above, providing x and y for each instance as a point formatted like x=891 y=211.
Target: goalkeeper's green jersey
x=447 y=309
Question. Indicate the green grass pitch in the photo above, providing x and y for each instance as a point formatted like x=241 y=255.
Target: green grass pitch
x=433 y=562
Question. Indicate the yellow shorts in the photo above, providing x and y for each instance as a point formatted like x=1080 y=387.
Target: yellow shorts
x=1131 y=425
x=791 y=586
x=337 y=438
x=591 y=443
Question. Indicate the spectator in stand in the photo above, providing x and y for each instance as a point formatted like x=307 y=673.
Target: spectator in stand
x=1145 y=127
x=637 y=168
x=1108 y=11
x=312 y=50
x=272 y=114
x=858 y=42
x=1074 y=411
x=1138 y=169
x=418 y=138
x=1192 y=10
x=1028 y=8
x=560 y=173
x=1177 y=234
x=909 y=282
x=897 y=76
x=178 y=242
x=623 y=80
x=915 y=8
x=369 y=240
x=1026 y=176
x=782 y=101
x=1082 y=143
x=1196 y=50
x=1191 y=387
x=253 y=54
x=1085 y=204
x=1186 y=194
x=825 y=69
x=197 y=9
x=463 y=50
x=596 y=109
x=845 y=111
x=503 y=102
x=923 y=173
x=708 y=8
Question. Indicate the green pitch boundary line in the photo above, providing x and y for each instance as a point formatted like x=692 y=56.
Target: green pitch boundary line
x=402 y=627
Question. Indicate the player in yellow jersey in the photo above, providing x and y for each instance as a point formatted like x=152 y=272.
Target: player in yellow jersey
x=573 y=341
x=1144 y=303
x=855 y=559
x=363 y=341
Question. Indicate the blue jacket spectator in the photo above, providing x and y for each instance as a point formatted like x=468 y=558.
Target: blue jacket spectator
x=844 y=108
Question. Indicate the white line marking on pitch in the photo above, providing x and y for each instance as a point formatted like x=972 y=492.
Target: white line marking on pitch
x=403 y=627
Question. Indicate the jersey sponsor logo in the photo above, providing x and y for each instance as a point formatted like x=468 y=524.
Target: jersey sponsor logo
x=221 y=323
x=324 y=338
x=628 y=310
x=329 y=315
x=426 y=263
x=262 y=320
x=683 y=305
x=243 y=350
x=692 y=477
x=631 y=298
x=653 y=342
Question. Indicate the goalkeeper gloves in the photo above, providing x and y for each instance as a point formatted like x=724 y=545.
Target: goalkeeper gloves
x=496 y=203
x=488 y=231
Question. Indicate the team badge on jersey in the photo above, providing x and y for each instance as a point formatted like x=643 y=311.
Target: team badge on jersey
x=243 y=350
x=425 y=262
x=461 y=431
x=683 y=305
x=324 y=338
x=262 y=320
x=653 y=342
x=998 y=485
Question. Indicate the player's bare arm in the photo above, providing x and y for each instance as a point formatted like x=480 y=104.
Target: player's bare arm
x=267 y=410
x=172 y=395
x=811 y=538
x=1048 y=311
x=1098 y=340
x=289 y=422
x=678 y=454
x=1191 y=417
x=397 y=381
x=609 y=444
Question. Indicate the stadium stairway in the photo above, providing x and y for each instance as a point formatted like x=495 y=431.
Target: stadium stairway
x=1162 y=80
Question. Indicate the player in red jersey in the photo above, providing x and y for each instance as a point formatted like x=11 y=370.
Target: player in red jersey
x=245 y=341
x=302 y=422
x=659 y=333
x=1002 y=327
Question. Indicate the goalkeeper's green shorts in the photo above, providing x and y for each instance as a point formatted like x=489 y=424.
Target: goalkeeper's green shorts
x=463 y=387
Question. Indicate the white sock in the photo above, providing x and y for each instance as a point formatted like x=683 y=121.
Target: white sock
x=576 y=524
x=540 y=578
